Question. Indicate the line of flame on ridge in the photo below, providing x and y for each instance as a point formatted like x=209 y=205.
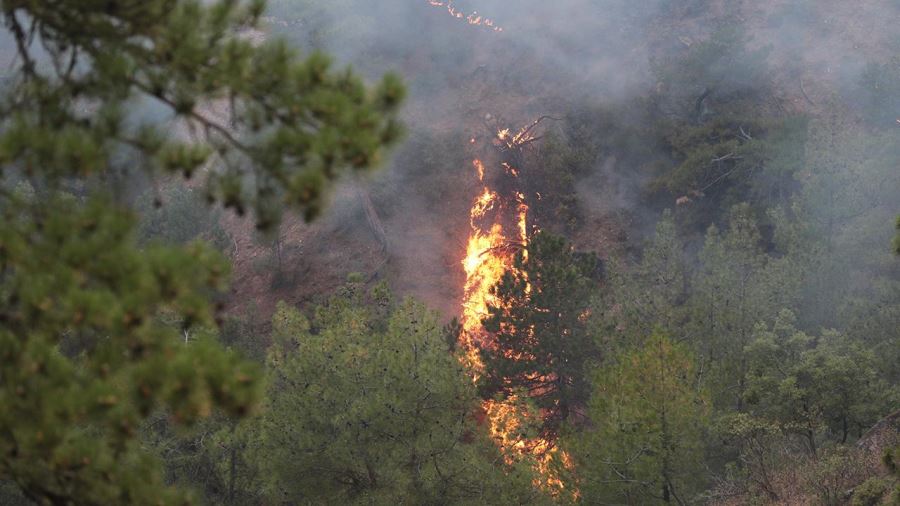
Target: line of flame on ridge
x=474 y=18
x=489 y=254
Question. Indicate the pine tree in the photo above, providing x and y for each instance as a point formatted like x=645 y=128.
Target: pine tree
x=848 y=198
x=652 y=294
x=644 y=443
x=367 y=406
x=814 y=385
x=88 y=355
x=281 y=128
x=539 y=325
x=737 y=286
x=93 y=328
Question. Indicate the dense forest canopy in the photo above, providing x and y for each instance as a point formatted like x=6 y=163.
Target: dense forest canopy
x=449 y=252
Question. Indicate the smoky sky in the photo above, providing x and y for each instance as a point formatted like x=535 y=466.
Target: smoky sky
x=549 y=56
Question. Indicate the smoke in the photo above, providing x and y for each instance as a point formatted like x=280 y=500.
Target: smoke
x=599 y=62
x=561 y=58
x=458 y=74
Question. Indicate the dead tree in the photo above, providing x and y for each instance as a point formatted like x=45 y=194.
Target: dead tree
x=377 y=227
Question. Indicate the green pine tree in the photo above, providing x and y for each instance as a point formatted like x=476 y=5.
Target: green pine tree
x=88 y=353
x=280 y=127
x=97 y=333
x=814 y=386
x=367 y=406
x=652 y=294
x=539 y=324
x=644 y=443
x=737 y=286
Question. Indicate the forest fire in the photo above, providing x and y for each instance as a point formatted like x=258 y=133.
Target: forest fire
x=499 y=228
x=474 y=18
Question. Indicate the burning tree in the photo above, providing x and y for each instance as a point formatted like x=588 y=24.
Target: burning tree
x=496 y=251
x=537 y=318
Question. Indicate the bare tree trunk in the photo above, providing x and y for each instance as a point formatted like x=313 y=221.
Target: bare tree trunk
x=373 y=219
x=377 y=227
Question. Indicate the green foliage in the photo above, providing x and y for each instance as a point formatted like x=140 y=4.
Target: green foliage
x=539 y=323
x=245 y=333
x=728 y=159
x=568 y=154
x=179 y=217
x=210 y=457
x=644 y=445
x=737 y=286
x=651 y=294
x=716 y=72
x=871 y=492
x=830 y=478
x=820 y=252
x=892 y=462
x=553 y=177
x=774 y=469
x=761 y=451
x=11 y=495
x=366 y=406
x=293 y=125
x=847 y=174
x=94 y=329
x=86 y=358
x=807 y=385
x=724 y=147
x=849 y=195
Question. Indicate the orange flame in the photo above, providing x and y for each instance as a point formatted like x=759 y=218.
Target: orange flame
x=479 y=168
x=473 y=19
x=490 y=252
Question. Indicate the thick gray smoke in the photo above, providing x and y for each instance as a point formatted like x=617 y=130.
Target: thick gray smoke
x=549 y=58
